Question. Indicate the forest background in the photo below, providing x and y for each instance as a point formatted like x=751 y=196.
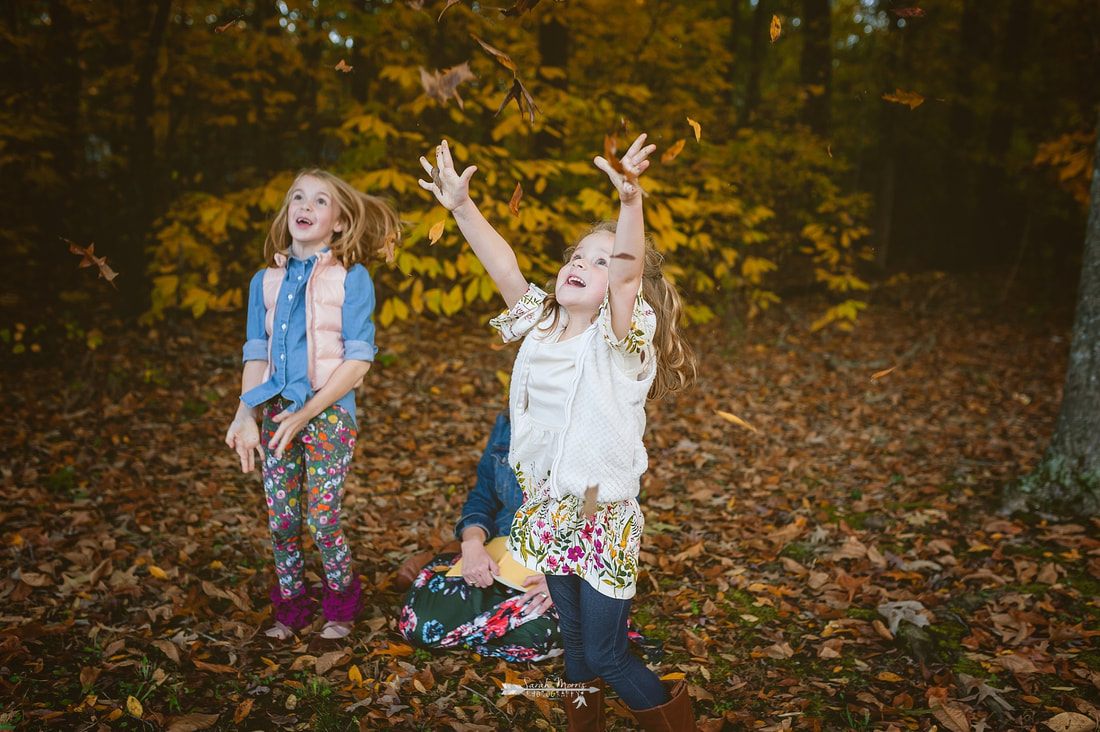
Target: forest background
x=822 y=167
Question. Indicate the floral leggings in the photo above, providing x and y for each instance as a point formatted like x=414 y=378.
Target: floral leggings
x=308 y=482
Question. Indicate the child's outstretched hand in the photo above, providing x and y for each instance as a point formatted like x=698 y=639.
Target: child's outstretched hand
x=451 y=188
x=634 y=162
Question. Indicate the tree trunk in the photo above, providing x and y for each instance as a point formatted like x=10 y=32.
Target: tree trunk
x=142 y=168
x=758 y=30
x=1067 y=481
x=816 y=64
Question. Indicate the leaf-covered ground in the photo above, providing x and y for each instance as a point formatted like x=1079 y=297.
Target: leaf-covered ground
x=835 y=561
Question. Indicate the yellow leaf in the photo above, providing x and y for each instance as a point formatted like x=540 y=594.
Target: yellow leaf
x=889 y=676
x=133 y=707
x=735 y=419
x=776 y=28
x=697 y=127
x=436 y=231
x=913 y=99
x=243 y=710
x=115 y=714
x=157 y=572
x=355 y=676
x=670 y=154
x=879 y=374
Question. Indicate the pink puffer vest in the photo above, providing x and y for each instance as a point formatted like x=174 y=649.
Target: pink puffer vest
x=324 y=314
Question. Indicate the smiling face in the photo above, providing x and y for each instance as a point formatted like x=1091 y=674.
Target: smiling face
x=582 y=281
x=312 y=215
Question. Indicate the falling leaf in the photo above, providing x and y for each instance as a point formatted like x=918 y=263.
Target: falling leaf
x=907 y=12
x=776 y=28
x=341 y=66
x=441 y=86
x=735 y=419
x=913 y=99
x=415 y=4
x=696 y=127
x=520 y=94
x=436 y=231
x=590 y=494
x=670 y=154
x=829 y=149
x=133 y=707
x=880 y=374
x=91 y=259
x=446 y=8
x=500 y=56
x=227 y=26
x=1070 y=722
x=513 y=205
x=521 y=7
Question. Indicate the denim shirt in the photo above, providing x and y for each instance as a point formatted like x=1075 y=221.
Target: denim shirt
x=289 y=353
x=493 y=501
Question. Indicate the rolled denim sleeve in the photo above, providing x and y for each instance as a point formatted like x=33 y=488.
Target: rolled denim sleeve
x=483 y=503
x=358 y=326
x=255 y=346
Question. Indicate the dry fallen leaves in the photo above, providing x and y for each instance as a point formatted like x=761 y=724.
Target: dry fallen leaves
x=513 y=204
x=775 y=29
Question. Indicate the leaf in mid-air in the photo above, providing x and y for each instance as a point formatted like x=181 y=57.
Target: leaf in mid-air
x=521 y=7
x=670 y=154
x=441 y=86
x=697 y=127
x=436 y=231
x=496 y=53
x=90 y=260
x=521 y=95
x=776 y=28
x=227 y=26
x=913 y=99
x=341 y=66
x=908 y=12
x=730 y=417
x=513 y=205
x=446 y=8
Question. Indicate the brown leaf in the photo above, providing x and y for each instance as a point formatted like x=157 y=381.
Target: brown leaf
x=521 y=7
x=520 y=94
x=169 y=649
x=696 y=646
x=327 y=661
x=191 y=722
x=227 y=26
x=912 y=99
x=907 y=12
x=500 y=57
x=590 y=494
x=880 y=374
x=243 y=709
x=216 y=667
x=446 y=8
x=341 y=66
x=517 y=194
x=88 y=676
x=91 y=259
x=952 y=717
x=670 y=154
x=1070 y=722
x=775 y=29
x=441 y=86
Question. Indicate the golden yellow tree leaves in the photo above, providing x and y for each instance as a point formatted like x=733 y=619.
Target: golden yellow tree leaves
x=696 y=127
x=675 y=149
x=730 y=417
x=776 y=28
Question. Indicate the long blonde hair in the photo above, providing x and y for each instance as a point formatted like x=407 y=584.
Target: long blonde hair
x=371 y=230
x=675 y=356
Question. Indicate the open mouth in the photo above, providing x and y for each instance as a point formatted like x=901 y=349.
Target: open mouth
x=303 y=221
x=575 y=281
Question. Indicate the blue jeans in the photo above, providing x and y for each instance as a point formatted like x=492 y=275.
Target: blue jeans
x=593 y=629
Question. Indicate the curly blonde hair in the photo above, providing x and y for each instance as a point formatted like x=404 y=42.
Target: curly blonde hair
x=372 y=229
x=675 y=356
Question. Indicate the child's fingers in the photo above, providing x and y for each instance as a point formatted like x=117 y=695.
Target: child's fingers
x=636 y=145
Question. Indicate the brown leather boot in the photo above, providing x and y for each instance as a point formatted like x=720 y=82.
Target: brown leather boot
x=408 y=571
x=584 y=709
x=675 y=715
